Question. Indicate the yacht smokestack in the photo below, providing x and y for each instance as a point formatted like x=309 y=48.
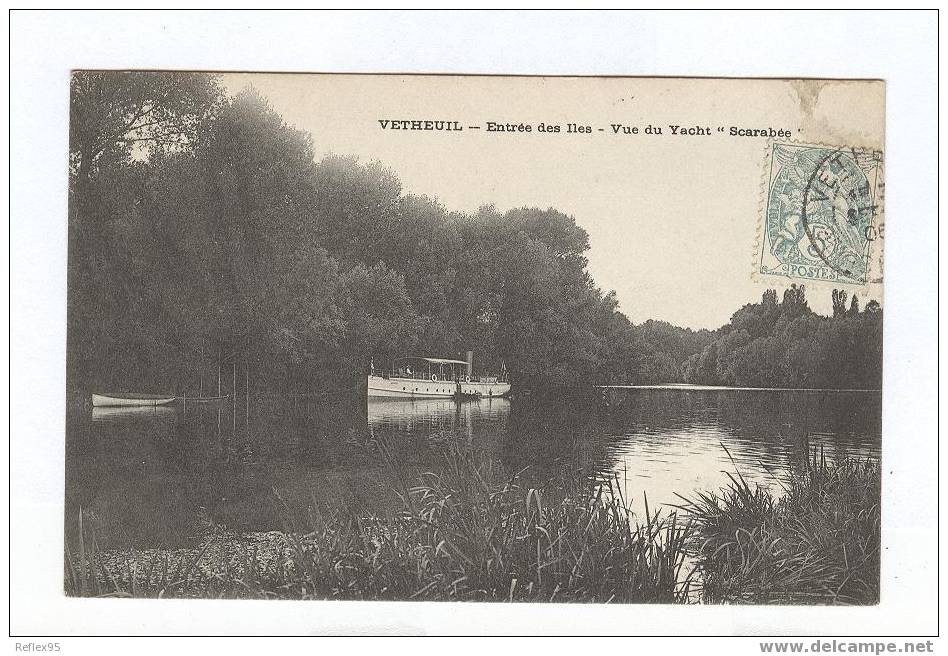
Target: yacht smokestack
x=470 y=363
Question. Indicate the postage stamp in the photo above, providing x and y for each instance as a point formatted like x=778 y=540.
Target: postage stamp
x=822 y=214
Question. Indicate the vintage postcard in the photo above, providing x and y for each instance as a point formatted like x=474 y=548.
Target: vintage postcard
x=474 y=338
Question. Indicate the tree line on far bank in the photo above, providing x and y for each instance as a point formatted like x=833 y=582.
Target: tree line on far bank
x=771 y=344
x=206 y=242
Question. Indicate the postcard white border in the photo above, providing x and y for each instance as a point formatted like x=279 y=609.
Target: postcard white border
x=897 y=47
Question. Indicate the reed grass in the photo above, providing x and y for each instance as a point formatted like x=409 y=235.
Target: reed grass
x=816 y=543
x=463 y=532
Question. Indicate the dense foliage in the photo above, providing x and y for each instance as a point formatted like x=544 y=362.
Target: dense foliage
x=788 y=345
x=205 y=236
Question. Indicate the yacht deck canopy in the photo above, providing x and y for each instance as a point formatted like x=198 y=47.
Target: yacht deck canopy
x=435 y=360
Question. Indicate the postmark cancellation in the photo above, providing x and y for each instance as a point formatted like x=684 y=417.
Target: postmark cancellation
x=822 y=217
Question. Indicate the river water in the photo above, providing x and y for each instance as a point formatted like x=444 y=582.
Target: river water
x=158 y=477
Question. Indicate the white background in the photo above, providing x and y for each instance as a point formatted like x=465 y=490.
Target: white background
x=898 y=47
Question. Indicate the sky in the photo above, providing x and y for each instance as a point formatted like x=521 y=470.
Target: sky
x=673 y=220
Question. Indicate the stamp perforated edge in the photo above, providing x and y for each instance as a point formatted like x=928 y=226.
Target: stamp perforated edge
x=759 y=240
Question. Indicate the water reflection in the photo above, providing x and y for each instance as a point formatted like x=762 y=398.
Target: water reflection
x=670 y=442
x=409 y=416
x=157 y=476
x=132 y=414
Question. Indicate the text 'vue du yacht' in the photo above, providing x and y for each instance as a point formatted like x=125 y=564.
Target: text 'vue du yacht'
x=421 y=377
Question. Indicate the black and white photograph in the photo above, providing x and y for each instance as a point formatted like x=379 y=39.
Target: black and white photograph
x=378 y=350
x=316 y=351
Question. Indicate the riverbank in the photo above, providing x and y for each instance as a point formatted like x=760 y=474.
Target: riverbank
x=819 y=542
x=468 y=533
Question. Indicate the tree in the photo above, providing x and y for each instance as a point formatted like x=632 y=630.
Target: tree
x=794 y=348
x=794 y=299
x=118 y=121
x=203 y=229
x=379 y=317
x=273 y=289
x=854 y=307
x=356 y=208
x=113 y=113
x=839 y=303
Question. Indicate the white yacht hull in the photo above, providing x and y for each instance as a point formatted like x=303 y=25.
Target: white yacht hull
x=413 y=388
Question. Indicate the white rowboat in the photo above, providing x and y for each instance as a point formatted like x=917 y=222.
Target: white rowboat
x=130 y=400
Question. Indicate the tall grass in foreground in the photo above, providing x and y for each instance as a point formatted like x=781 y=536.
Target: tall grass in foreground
x=818 y=543
x=463 y=533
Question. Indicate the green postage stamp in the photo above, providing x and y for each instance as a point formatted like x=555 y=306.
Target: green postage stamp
x=822 y=214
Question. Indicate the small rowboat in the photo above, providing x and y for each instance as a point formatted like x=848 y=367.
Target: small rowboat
x=130 y=400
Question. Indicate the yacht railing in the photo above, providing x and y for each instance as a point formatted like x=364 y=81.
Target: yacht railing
x=428 y=377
